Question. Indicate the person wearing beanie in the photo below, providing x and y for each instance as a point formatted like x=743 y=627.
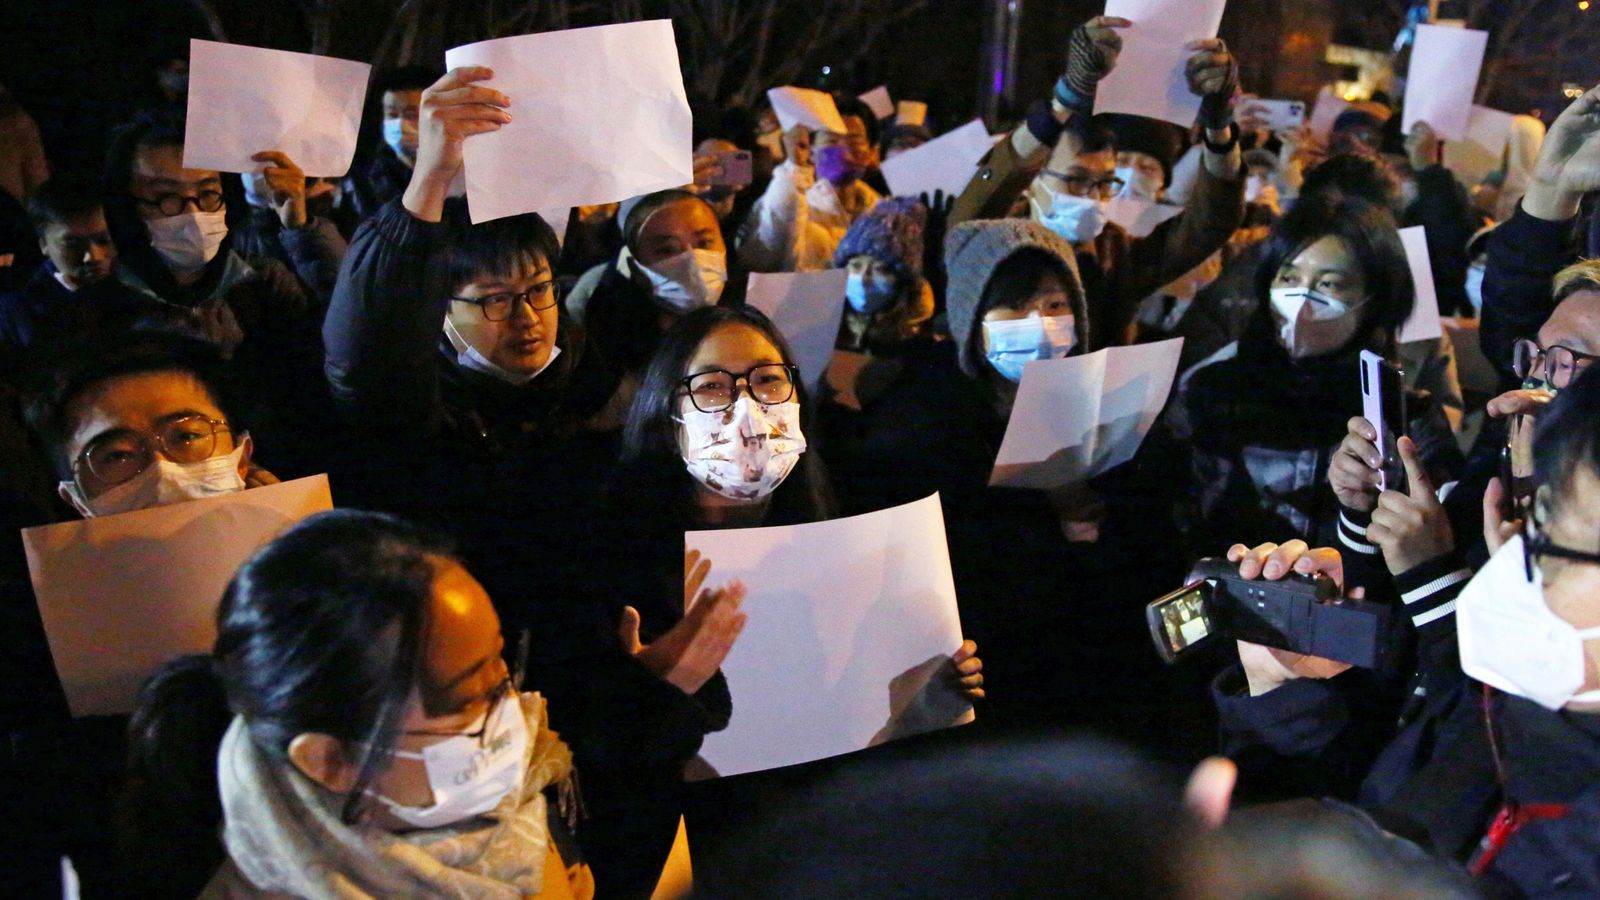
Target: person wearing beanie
x=1146 y=151
x=887 y=301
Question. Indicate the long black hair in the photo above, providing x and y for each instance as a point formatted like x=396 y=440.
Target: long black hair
x=650 y=434
x=1370 y=233
x=321 y=631
x=1568 y=438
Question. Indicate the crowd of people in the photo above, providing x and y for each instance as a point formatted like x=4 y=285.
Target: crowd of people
x=486 y=674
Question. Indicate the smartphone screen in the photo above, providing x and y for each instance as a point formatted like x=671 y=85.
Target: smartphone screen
x=1181 y=620
x=736 y=169
x=1283 y=115
x=1383 y=405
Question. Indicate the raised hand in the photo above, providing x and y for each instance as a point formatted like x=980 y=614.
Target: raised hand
x=285 y=186
x=1569 y=161
x=1213 y=75
x=693 y=650
x=453 y=109
x=1092 y=53
x=1422 y=146
x=1411 y=528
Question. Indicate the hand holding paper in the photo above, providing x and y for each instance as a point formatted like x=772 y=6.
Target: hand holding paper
x=601 y=115
x=1444 y=79
x=454 y=108
x=243 y=100
x=692 y=651
x=945 y=163
x=1151 y=77
x=1077 y=417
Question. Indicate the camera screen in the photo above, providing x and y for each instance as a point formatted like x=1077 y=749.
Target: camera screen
x=1185 y=619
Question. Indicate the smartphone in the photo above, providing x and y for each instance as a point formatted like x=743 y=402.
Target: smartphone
x=1516 y=468
x=736 y=169
x=1182 y=621
x=1383 y=403
x=1283 y=115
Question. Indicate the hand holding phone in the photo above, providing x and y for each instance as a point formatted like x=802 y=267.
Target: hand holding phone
x=734 y=169
x=1282 y=115
x=1383 y=404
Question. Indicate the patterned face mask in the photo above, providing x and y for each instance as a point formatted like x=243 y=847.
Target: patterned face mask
x=745 y=451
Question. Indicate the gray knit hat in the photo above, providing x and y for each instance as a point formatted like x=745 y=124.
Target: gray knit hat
x=973 y=250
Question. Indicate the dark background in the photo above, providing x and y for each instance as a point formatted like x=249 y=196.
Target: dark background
x=80 y=66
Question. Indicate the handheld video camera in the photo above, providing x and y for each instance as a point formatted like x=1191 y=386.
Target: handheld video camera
x=1302 y=613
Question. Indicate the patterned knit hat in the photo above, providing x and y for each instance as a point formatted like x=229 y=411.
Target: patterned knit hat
x=890 y=232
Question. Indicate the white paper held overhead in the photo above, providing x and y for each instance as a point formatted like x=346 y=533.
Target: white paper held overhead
x=243 y=100
x=879 y=101
x=120 y=596
x=850 y=623
x=598 y=115
x=1075 y=418
x=804 y=106
x=1445 y=63
x=806 y=307
x=1150 y=78
x=1423 y=325
x=945 y=163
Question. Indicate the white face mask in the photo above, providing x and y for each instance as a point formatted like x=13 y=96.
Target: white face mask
x=164 y=482
x=1475 y=287
x=1253 y=187
x=1014 y=343
x=688 y=281
x=188 y=241
x=745 y=451
x=401 y=136
x=1305 y=316
x=1078 y=220
x=468 y=357
x=1510 y=640
x=469 y=776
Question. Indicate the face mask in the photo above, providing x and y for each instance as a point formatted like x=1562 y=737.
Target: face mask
x=1078 y=220
x=187 y=242
x=1308 y=316
x=867 y=298
x=688 y=281
x=470 y=777
x=1475 y=287
x=1137 y=184
x=836 y=165
x=163 y=483
x=1016 y=342
x=401 y=136
x=745 y=451
x=468 y=357
x=1253 y=187
x=1510 y=640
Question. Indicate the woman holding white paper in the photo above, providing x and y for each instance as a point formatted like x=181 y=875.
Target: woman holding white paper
x=715 y=439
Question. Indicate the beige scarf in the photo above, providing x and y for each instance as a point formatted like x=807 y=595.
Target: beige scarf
x=284 y=833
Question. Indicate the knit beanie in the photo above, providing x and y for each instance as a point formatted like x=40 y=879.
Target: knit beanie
x=891 y=233
x=973 y=251
x=1161 y=140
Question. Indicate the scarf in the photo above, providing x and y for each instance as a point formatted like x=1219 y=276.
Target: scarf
x=284 y=833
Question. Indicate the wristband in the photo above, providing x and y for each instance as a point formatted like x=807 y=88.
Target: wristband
x=1043 y=124
x=1216 y=111
x=1073 y=99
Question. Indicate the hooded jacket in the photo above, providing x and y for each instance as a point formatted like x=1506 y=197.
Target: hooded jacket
x=972 y=252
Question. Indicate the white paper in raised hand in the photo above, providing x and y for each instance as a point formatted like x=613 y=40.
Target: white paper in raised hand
x=598 y=115
x=120 y=596
x=1149 y=79
x=806 y=307
x=850 y=622
x=911 y=112
x=1077 y=417
x=879 y=101
x=804 y=106
x=1423 y=325
x=243 y=100
x=1327 y=111
x=1443 y=79
x=1483 y=151
x=1138 y=216
x=945 y=163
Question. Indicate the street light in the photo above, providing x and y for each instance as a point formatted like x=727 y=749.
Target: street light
x=1583 y=5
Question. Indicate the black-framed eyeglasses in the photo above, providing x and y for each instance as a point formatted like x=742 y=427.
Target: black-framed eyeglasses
x=120 y=456
x=1089 y=186
x=500 y=307
x=174 y=204
x=716 y=390
x=1536 y=543
x=1559 y=364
